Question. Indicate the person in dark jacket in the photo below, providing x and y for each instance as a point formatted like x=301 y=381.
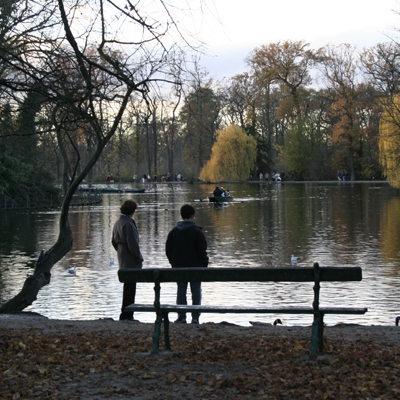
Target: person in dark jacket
x=186 y=247
x=125 y=240
x=217 y=192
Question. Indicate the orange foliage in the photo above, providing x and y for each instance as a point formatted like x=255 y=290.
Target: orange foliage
x=232 y=156
x=389 y=141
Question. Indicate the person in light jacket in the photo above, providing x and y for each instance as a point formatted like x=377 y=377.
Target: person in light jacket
x=186 y=246
x=125 y=240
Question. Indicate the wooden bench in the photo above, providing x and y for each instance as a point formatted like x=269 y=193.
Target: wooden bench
x=314 y=274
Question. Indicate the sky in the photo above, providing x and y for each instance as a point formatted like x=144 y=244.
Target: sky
x=232 y=28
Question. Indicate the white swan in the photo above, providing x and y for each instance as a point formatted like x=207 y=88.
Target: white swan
x=293 y=260
x=72 y=271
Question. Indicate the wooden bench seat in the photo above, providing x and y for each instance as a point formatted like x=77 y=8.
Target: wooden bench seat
x=314 y=274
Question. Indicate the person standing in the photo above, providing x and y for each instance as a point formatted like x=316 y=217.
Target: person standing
x=125 y=240
x=186 y=247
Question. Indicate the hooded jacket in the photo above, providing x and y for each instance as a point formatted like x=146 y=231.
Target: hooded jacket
x=186 y=246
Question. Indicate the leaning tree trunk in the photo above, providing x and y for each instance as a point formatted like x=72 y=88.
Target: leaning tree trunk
x=47 y=259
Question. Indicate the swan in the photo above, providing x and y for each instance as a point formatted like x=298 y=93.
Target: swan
x=293 y=260
x=72 y=271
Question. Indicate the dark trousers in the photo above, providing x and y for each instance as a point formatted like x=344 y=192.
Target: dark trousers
x=128 y=297
x=195 y=288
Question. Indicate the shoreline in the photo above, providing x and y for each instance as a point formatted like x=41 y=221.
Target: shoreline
x=379 y=334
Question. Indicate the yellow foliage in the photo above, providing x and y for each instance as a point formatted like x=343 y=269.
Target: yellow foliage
x=233 y=156
x=390 y=229
x=389 y=141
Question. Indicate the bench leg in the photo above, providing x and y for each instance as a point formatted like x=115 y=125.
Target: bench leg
x=317 y=334
x=314 y=338
x=166 y=332
x=321 y=334
x=156 y=334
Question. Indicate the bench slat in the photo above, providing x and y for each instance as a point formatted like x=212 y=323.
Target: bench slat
x=259 y=274
x=238 y=310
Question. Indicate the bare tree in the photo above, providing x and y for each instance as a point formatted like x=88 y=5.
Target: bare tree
x=86 y=60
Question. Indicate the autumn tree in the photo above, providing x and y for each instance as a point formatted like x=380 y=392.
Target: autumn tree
x=381 y=65
x=200 y=118
x=233 y=156
x=287 y=63
x=305 y=153
x=341 y=72
x=389 y=142
x=241 y=107
x=281 y=71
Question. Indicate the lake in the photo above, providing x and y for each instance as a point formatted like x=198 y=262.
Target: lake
x=334 y=223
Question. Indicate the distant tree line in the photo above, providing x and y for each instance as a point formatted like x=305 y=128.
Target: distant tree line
x=311 y=112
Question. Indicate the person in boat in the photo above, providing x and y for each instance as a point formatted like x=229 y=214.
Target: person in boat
x=227 y=193
x=217 y=192
x=223 y=192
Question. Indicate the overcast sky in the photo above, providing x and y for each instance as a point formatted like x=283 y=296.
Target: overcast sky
x=233 y=28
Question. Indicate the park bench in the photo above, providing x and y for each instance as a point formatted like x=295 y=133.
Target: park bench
x=314 y=274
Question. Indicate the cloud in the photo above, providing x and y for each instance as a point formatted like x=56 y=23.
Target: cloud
x=242 y=26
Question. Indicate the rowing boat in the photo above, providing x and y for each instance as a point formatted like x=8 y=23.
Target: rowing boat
x=220 y=199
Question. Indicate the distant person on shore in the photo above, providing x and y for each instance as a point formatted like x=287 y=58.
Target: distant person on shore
x=125 y=240
x=186 y=247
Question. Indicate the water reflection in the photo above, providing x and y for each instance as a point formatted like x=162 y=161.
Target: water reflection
x=335 y=224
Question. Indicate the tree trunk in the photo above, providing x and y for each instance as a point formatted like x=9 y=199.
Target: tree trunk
x=154 y=130
x=41 y=275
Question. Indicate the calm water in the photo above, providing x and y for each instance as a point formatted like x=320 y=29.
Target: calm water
x=336 y=224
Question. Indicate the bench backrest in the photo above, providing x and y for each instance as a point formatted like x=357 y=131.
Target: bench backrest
x=260 y=274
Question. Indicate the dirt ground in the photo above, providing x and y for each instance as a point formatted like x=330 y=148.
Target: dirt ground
x=107 y=359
